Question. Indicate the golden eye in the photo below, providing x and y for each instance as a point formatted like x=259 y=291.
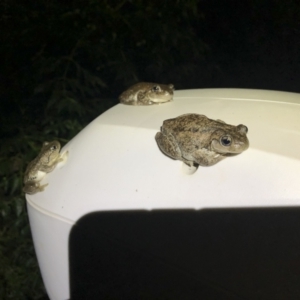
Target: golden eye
x=226 y=140
x=52 y=148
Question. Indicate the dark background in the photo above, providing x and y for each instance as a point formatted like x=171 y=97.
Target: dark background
x=64 y=63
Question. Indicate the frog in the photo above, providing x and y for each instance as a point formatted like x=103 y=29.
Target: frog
x=147 y=93
x=44 y=163
x=199 y=141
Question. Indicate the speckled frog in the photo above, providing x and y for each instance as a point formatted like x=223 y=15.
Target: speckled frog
x=147 y=93
x=44 y=163
x=198 y=140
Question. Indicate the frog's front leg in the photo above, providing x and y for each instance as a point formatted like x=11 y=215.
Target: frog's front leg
x=205 y=157
x=63 y=157
x=140 y=95
x=49 y=168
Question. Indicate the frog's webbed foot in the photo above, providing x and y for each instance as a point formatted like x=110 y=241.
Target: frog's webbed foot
x=168 y=145
x=33 y=187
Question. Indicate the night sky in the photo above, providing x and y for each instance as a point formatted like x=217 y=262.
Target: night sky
x=255 y=43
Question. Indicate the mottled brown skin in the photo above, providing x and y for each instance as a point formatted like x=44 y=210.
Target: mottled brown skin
x=198 y=140
x=147 y=93
x=44 y=163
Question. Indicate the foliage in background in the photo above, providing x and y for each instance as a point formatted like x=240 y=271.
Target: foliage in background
x=64 y=64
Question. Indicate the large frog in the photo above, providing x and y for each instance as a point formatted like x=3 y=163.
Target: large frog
x=198 y=140
x=44 y=163
x=147 y=93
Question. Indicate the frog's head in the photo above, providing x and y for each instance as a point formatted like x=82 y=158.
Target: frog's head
x=50 y=150
x=230 y=141
x=159 y=93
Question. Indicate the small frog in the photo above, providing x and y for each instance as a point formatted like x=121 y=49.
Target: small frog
x=147 y=93
x=44 y=163
x=198 y=140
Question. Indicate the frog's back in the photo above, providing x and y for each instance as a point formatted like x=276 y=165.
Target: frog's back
x=189 y=122
x=32 y=168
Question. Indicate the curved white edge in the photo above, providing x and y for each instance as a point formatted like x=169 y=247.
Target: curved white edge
x=240 y=94
x=50 y=214
x=52 y=252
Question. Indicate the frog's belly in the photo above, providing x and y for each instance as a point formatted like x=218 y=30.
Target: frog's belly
x=161 y=99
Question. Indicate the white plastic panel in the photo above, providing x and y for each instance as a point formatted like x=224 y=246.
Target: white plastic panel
x=115 y=164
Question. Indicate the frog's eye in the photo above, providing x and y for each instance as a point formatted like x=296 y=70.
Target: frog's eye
x=226 y=140
x=52 y=148
x=156 y=88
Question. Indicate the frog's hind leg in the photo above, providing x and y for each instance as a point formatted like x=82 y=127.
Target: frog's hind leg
x=168 y=145
x=33 y=187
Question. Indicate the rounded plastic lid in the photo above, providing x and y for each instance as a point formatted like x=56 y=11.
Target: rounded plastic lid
x=115 y=164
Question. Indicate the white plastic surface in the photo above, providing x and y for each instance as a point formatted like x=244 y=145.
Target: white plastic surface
x=51 y=243
x=115 y=164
